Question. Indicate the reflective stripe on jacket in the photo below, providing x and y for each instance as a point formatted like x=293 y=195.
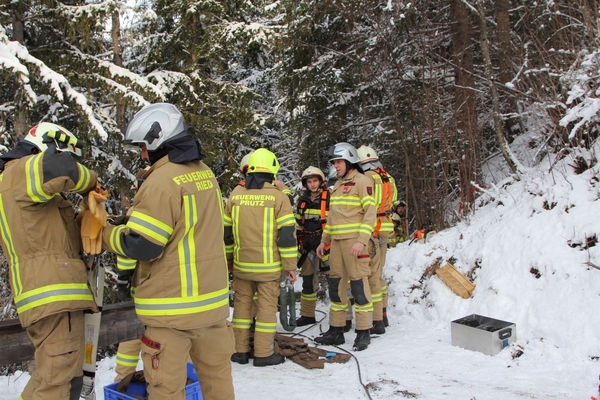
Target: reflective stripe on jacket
x=262 y=238
x=40 y=237
x=178 y=209
x=352 y=211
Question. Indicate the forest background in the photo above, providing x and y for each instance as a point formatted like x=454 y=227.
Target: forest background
x=437 y=87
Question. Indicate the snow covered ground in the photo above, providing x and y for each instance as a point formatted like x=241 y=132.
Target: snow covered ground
x=529 y=249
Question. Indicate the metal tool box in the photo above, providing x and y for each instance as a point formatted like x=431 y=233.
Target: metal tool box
x=486 y=335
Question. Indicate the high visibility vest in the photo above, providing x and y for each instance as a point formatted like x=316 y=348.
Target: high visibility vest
x=322 y=212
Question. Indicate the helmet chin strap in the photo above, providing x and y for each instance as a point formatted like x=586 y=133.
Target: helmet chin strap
x=157 y=154
x=349 y=168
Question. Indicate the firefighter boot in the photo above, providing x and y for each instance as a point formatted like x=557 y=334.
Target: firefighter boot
x=378 y=328
x=240 y=358
x=362 y=341
x=385 y=320
x=302 y=321
x=273 y=359
x=348 y=326
x=334 y=336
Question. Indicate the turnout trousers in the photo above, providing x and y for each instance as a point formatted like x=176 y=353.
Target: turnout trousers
x=310 y=275
x=59 y=350
x=210 y=349
x=128 y=355
x=384 y=238
x=377 y=251
x=345 y=268
x=266 y=315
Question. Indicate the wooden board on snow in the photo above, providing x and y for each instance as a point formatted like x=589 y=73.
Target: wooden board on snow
x=456 y=281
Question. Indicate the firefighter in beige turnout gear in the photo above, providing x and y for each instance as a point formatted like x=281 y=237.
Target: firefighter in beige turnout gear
x=351 y=221
x=260 y=238
x=42 y=243
x=386 y=196
x=311 y=217
x=284 y=189
x=175 y=234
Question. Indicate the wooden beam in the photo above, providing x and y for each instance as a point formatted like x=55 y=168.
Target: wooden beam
x=119 y=323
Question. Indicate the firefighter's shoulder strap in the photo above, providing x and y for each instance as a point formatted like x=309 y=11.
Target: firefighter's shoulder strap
x=301 y=211
x=386 y=200
x=324 y=207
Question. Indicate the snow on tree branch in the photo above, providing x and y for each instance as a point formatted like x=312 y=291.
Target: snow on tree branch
x=22 y=61
x=583 y=82
x=9 y=61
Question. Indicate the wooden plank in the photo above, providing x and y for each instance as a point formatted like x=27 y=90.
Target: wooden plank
x=456 y=281
x=119 y=323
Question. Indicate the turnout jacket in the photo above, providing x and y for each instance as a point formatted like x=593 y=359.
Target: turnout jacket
x=40 y=237
x=352 y=211
x=175 y=233
x=260 y=233
x=385 y=194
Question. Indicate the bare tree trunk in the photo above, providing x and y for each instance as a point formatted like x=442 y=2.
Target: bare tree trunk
x=118 y=60
x=116 y=38
x=505 y=55
x=466 y=142
x=120 y=103
x=18 y=25
x=505 y=49
x=589 y=10
x=511 y=160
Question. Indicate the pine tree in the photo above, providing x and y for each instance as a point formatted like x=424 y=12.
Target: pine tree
x=215 y=56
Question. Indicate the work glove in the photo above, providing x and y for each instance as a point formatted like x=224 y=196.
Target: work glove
x=93 y=221
x=120 y=220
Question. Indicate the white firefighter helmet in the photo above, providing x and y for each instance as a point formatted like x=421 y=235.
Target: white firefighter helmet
x=367 y=154
x=47 y=134
x=343 y=151
x=312 y=172
x=156 y=124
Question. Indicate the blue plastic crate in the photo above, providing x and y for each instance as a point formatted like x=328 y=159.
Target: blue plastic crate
x=192 y=391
